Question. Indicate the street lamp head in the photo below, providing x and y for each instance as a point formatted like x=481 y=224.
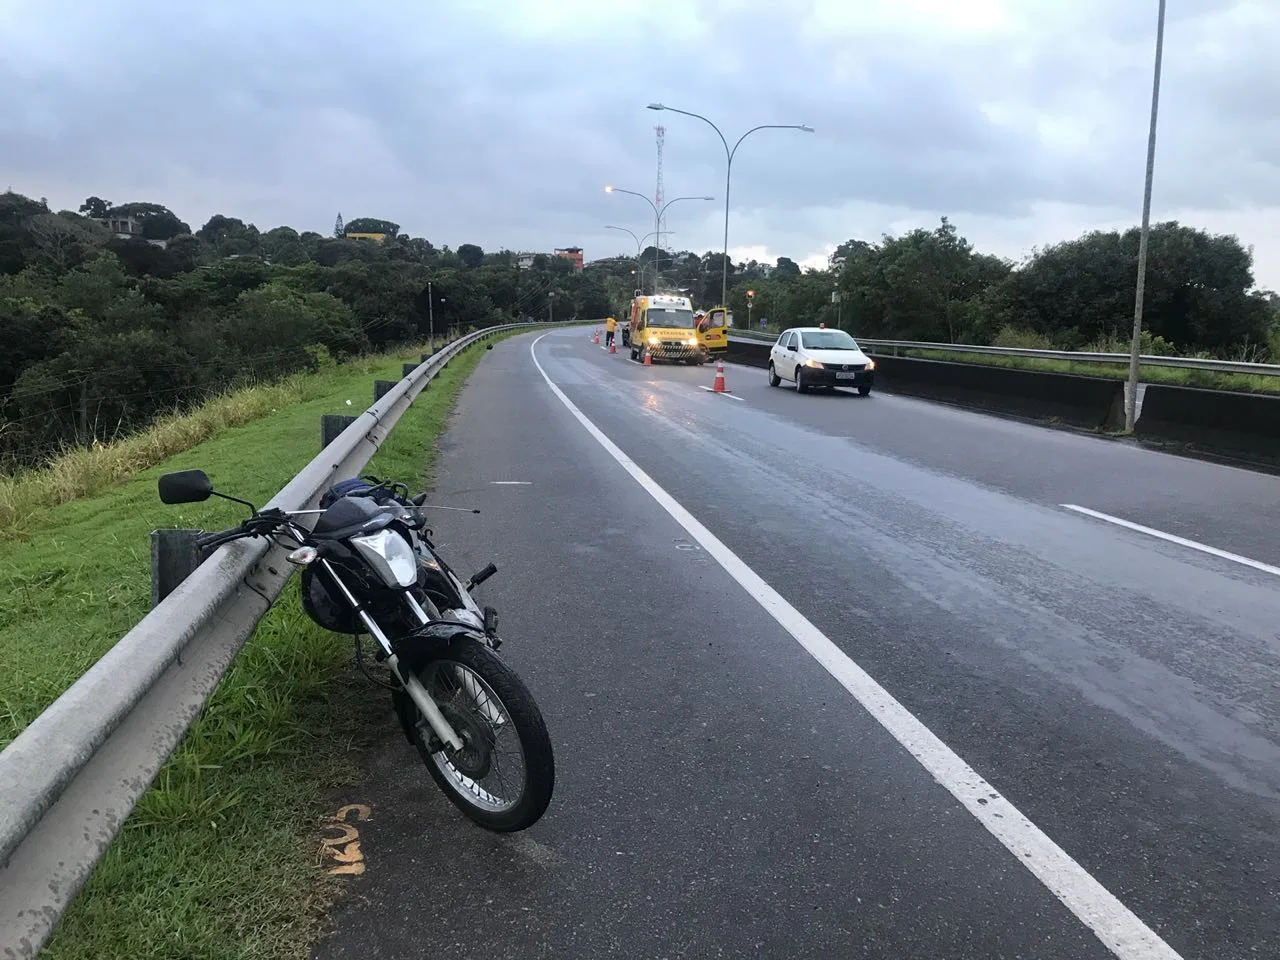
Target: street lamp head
x=806 y=128
x=656 y=106
x=608 y=188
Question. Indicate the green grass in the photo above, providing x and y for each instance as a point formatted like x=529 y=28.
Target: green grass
x=220 y=859
x=1176 y=376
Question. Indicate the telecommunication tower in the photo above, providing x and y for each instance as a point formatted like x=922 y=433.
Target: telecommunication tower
x=657 y=194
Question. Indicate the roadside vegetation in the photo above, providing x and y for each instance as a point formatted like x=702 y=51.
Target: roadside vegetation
x=116 y=315
x=221 y=858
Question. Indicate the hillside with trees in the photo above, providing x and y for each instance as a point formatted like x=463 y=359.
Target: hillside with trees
x=116 y=313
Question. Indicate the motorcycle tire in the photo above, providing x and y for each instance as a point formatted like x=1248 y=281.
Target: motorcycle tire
x=513 y=697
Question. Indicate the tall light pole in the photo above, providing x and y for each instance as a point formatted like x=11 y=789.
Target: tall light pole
x=728 y=172
x=639 y=248
x=1135 y=348
x=431 y=314
x=657 y=220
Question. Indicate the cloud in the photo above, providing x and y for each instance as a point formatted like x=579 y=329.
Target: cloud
x=498 y=122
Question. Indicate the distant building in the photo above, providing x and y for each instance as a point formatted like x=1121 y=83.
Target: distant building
x=524 y=261
x=129 y=228
x=375 y=237
x=572 y=254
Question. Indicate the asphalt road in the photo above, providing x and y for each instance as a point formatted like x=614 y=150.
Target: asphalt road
x=720 y=793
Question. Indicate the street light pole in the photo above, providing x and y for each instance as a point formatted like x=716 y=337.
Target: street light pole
x=657 y=220
x=729 y=153
x=639 y=248
x=1135 y=348
x=431 y=314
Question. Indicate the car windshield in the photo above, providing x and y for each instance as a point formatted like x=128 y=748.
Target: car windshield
x=827 y=340
x=670 y=317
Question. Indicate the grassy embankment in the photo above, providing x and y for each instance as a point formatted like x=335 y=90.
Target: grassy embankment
x=221 y=857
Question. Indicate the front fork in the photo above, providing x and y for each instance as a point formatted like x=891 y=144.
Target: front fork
x=412 y=685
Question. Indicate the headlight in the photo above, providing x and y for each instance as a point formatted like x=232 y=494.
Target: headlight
x=871 y=364
x=693 y=341
x=389 y=554
x=653 y=340
x=813 y=363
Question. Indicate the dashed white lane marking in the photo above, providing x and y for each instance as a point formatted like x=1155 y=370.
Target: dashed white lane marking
x=1121 y=930
x=1174 y=538
x=723 y=393
x=512 y=483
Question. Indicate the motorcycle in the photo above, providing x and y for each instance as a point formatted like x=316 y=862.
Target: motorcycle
x=369 y=566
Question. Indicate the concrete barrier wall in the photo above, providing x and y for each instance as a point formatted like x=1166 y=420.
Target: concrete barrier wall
x=1081 y=401
x=1242 y=425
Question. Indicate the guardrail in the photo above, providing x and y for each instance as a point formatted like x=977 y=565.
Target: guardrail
x=71 y=778
x=1079 y=356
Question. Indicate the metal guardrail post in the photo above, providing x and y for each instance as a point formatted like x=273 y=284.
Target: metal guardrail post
x=408 y=368
x=332 y=425
x=174 y=556
x=381 y=388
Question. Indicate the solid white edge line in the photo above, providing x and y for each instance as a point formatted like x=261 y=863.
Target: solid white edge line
x=1122 y=931
x=1174 y=538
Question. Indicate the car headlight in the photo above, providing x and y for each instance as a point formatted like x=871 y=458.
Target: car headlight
x=871 y=364
x=390 y=555
x=813 y=363
x=693 y=341
x=653 y=340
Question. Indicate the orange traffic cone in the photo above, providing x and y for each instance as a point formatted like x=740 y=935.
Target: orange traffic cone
x=613 y=346
x=596 y=338
x=717 y=386
x=648 y=360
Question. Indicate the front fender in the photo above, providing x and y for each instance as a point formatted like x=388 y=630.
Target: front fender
x=414 y=651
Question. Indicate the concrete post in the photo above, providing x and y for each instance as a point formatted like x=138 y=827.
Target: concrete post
x=381 y=388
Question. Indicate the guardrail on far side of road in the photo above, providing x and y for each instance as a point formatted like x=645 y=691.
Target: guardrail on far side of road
x=894 y=347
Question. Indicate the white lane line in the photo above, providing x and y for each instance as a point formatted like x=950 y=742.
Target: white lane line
x=1114 y=924
x=512 y=483
x=724 y=393
x=1174 y=538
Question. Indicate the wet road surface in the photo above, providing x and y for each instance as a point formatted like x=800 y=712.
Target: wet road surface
x=721 y=793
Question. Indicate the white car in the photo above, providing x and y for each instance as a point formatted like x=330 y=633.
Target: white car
x=820 y=357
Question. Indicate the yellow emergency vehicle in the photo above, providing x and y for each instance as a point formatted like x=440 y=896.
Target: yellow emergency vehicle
x=664 y=326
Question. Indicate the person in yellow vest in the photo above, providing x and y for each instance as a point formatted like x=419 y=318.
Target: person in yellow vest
x=610 y=325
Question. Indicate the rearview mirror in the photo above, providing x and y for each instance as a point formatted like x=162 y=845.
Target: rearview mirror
x=185 y=486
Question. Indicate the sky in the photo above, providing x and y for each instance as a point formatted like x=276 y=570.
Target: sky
x=499 y=122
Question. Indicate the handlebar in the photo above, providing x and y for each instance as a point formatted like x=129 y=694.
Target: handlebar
x=258 y=525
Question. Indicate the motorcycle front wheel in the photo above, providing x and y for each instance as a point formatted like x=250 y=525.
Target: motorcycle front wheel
x=504 y=775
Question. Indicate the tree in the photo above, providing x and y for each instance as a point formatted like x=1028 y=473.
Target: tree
x=786 y=269
x=1197 y=290
x=61 y=241
x=470 y=255
x=96 y=207
x=371 y=225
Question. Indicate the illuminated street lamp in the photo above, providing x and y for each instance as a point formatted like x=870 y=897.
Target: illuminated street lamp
x=729 y=153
